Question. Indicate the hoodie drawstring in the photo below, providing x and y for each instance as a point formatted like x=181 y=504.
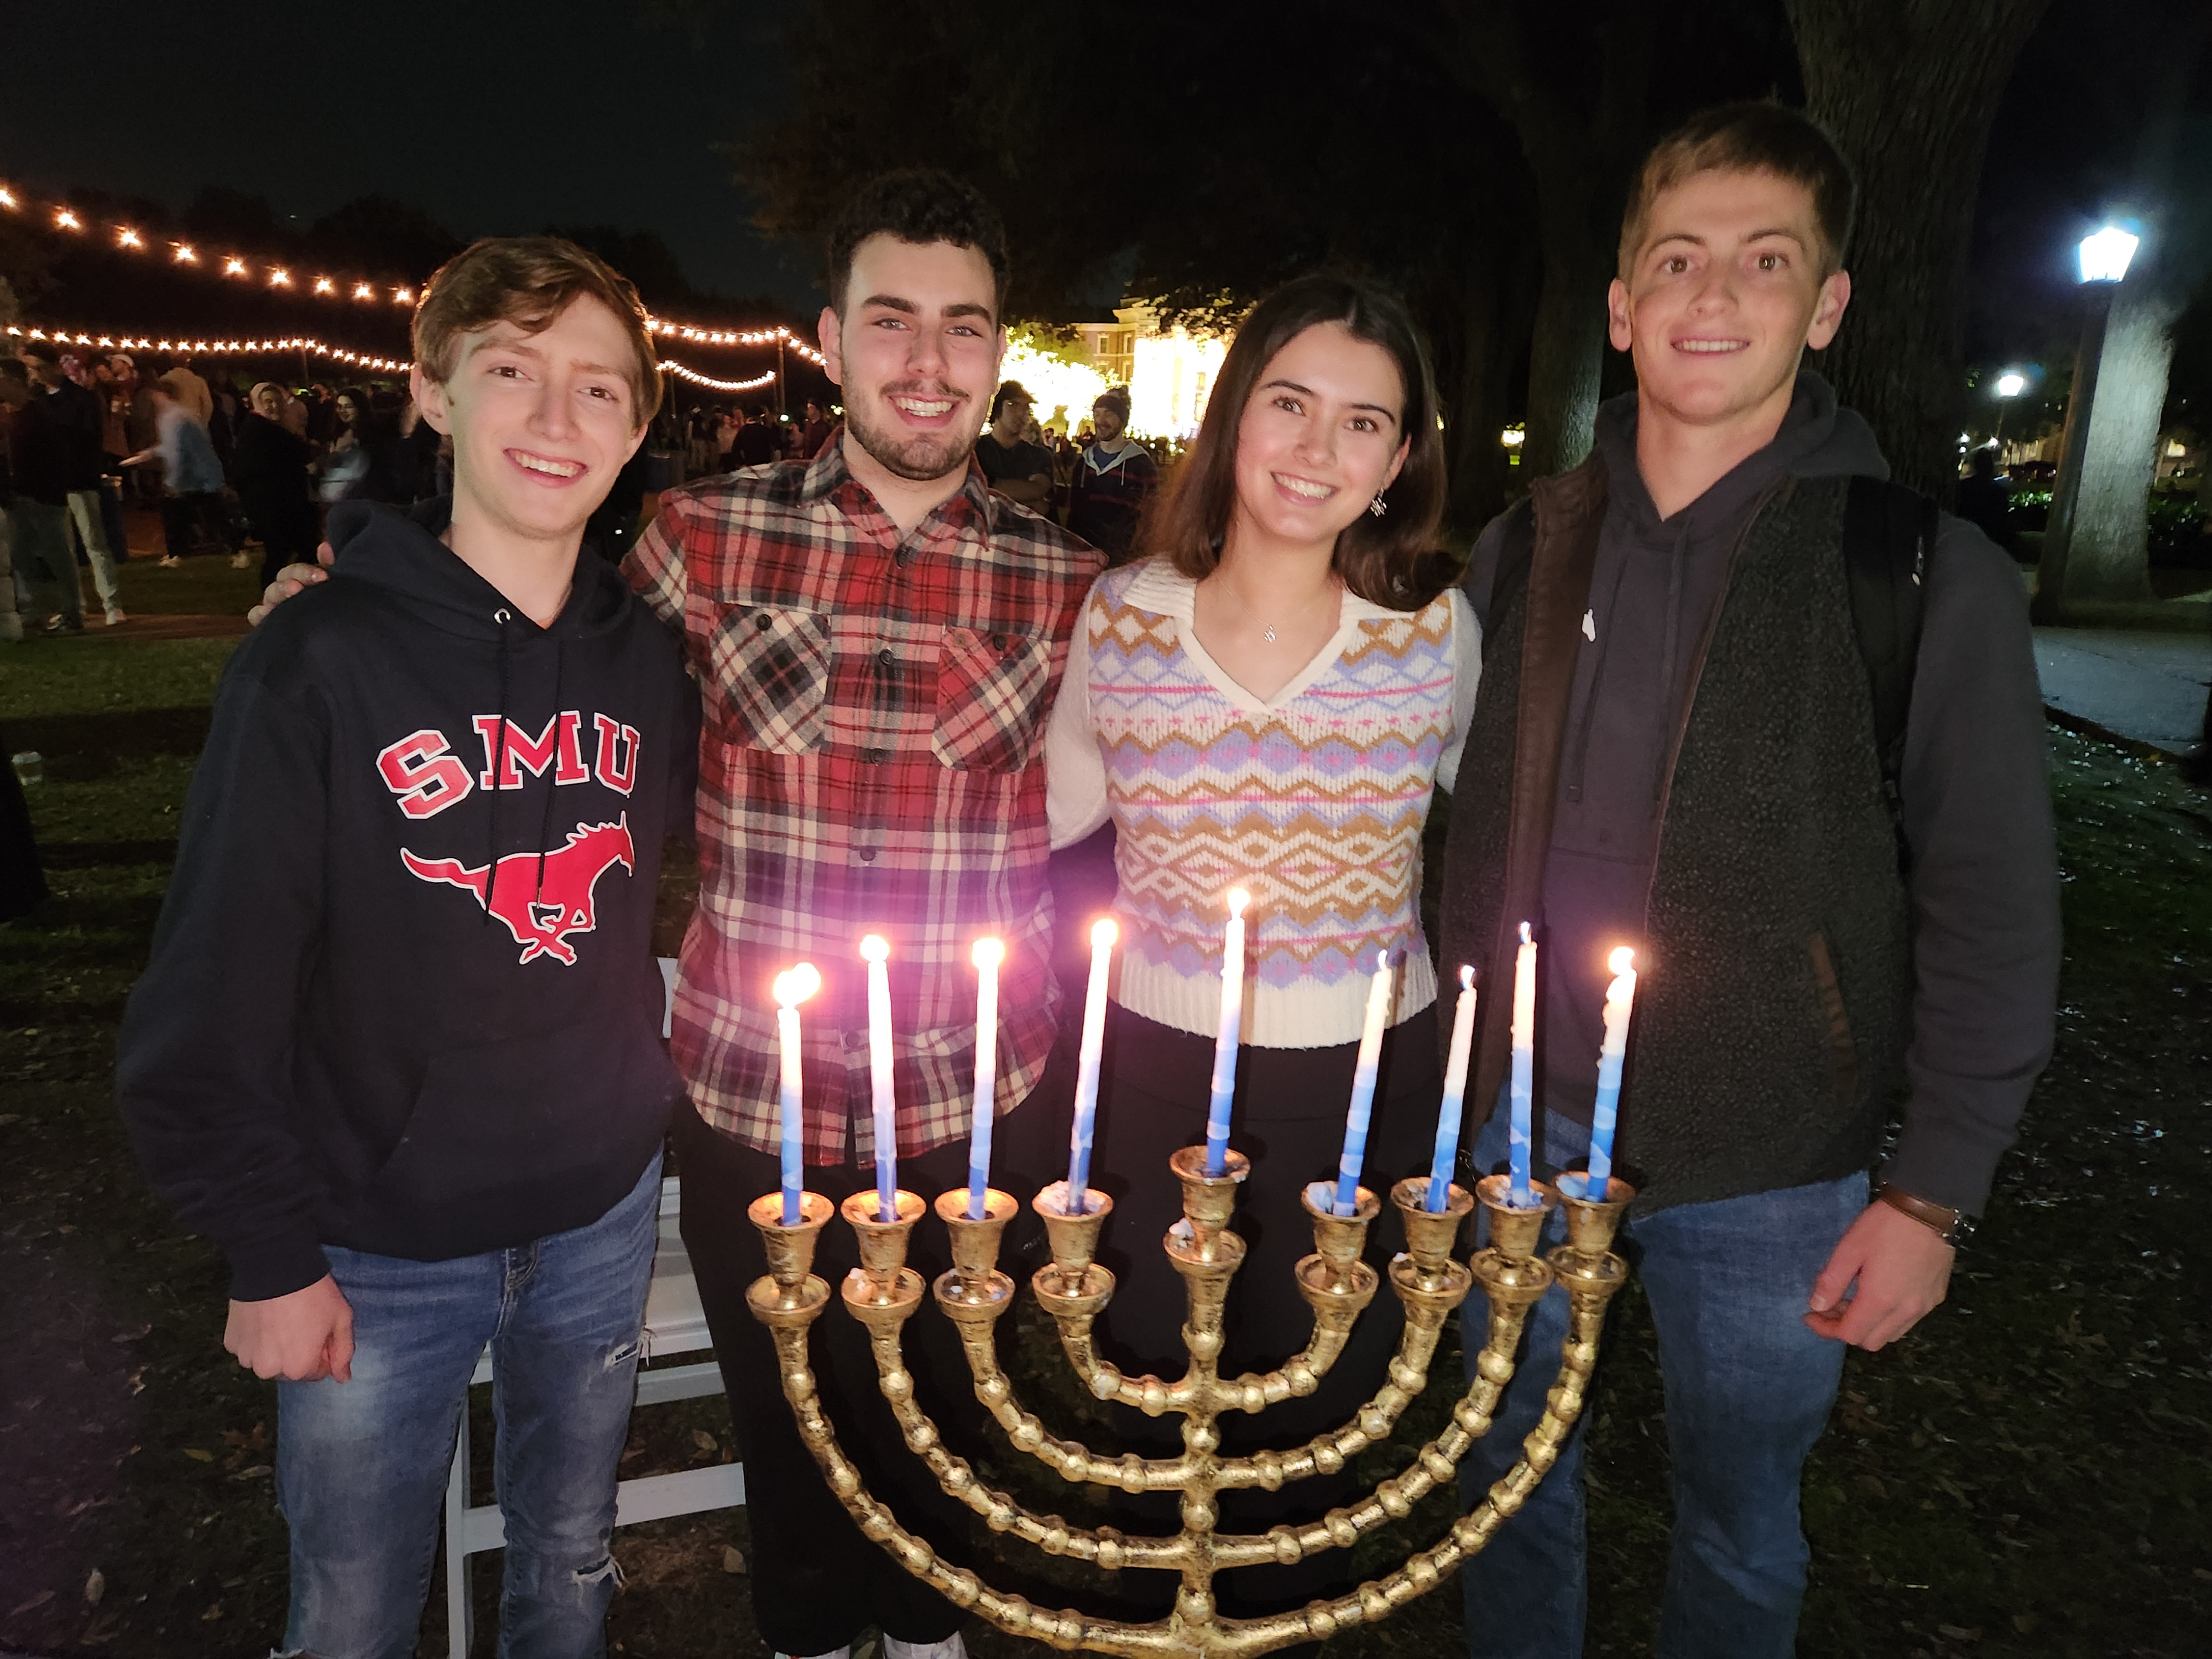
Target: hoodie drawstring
x=500 y=618
x=1671 y=638
x=545 y=818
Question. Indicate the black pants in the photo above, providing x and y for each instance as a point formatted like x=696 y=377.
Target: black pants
x=181 y=513
x=1290 y=1106
x=817 y=1582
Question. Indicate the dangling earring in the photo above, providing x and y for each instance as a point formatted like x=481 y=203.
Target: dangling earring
x=1378 y=507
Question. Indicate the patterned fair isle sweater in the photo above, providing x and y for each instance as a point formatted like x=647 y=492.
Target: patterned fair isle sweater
x=1313 y=800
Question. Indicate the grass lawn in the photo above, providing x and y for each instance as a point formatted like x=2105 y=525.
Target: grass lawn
x=2027 y=1474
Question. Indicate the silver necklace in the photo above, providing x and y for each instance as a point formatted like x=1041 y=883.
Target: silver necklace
x=1267 y=631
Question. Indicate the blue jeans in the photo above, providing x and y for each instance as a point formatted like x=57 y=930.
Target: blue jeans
x=1748 y=1389
x=361 y=1465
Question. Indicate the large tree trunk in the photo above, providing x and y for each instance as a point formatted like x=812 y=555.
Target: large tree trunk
x=1580 y=150
x=1909 y=89
x=2108 y=556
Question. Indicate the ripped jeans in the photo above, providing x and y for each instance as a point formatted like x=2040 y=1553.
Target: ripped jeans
x=361 y=1465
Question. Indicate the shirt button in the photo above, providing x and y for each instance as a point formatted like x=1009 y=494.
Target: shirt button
x=867 y=855
x=763 y=621
x=886 y=657
x=875 y=756
x=853 y=1039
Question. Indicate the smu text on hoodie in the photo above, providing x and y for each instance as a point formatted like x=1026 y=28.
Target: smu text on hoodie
x=402 y=996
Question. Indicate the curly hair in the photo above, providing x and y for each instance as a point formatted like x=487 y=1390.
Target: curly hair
x=918 y=205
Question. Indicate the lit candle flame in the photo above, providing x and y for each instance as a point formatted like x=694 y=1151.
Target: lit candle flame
x=988 y=953
x=795 y=986
x=1238 y=899
x=1527 y=934
x=1465 y=977
x=875 y=948
x=1622 y=960
x=1103 y=933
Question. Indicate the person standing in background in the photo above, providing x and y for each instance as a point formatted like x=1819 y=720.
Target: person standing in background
x=269 y=467
x=75 y=417
x=1017 y=469
x=192 y=478
x=1112 y=480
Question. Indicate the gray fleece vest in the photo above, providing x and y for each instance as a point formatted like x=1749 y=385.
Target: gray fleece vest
x=1775 y=967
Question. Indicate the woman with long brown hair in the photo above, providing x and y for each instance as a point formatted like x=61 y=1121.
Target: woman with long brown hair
x=1267 y=701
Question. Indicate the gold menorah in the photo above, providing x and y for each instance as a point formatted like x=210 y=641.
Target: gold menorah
x=884 y=1293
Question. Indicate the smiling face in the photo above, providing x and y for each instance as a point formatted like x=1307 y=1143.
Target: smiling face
x=1723 y=296
x=916 y=352
x=1323 y=436
x=268 y=402
x=540 y=422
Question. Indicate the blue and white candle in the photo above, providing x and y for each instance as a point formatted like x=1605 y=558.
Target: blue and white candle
x=1449 y=1114
x=1225 y=1039
x=792 y=988
x=1354 y=1156
x=988 y=954
x=1522 y=1088
x=1619 y=1001
x=1103 y=935
x=878 y=952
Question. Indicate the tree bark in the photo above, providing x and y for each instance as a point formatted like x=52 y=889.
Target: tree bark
x=2109 y=554
x=1909 y=89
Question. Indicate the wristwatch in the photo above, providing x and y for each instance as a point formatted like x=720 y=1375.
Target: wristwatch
x=1950 y=1226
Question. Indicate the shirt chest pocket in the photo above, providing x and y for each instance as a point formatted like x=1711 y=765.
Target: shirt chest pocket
x=771 y=671
x=990 y=699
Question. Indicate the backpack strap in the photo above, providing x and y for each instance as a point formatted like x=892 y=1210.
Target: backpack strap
x=1889 y=534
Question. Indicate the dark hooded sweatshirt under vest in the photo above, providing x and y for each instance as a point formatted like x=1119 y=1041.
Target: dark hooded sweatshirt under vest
x=403 y=997
x=1673 y=749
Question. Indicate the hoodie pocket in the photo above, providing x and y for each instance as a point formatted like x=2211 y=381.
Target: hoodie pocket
x=505 y=1115
x=990 y=699
x=771 y=667
x=1843 y=1053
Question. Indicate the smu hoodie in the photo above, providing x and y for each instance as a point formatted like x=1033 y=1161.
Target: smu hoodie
x=403 y=997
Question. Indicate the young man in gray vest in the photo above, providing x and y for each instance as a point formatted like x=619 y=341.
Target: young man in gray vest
x=1678 y=747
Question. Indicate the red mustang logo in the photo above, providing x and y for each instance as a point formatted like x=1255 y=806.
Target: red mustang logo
x=541 y=913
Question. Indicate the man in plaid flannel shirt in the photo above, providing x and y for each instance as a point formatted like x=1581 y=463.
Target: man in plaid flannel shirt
x=877 y=638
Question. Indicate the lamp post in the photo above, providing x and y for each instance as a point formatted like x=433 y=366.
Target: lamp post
x=2104 y=256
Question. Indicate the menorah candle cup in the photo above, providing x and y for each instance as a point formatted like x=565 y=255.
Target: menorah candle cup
x=1073 y=1285
x=1431 y=1237
x=1334 y=1267
x=1509 y=1269
x=883 y=1243
x=1209 y=1200
x=1586 y=1260
x=1073 y=1239
x=789 y=1290
x=975 y=1280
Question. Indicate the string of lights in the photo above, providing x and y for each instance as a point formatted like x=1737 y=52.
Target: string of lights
x=65 y=220
x=181 y=346
x=712 y=385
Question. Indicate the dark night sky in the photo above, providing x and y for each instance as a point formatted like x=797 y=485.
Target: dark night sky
x=493 y=118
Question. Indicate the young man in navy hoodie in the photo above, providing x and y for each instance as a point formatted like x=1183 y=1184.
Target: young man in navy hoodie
x=397 y=1052
x=1678 y=747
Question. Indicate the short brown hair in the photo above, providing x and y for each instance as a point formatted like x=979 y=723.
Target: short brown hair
x=528 y=280
x=1393 y=560
x=1749 y=137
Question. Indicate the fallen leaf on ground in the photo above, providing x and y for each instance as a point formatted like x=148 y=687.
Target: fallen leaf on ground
x=95 y=1586
x=733 y=1559
x=197 y=1456
x=704 y=1441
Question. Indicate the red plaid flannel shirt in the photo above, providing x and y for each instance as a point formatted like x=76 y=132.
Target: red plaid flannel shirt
x=872 y=760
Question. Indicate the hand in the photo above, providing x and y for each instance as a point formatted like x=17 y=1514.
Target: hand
x=291 y=580
x=303 y=1337
x=1902 y=1270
